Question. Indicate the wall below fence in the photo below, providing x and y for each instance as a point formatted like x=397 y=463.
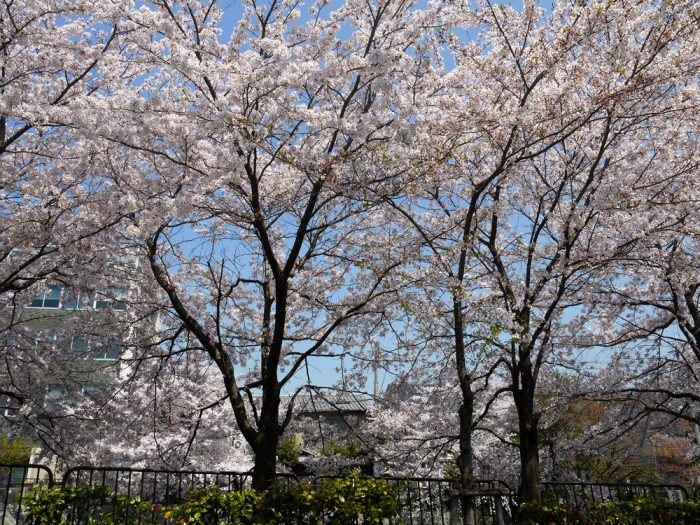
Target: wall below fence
x=435 y=501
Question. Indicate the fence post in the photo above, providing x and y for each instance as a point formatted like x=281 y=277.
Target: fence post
x=498 y=504
x=454 y=508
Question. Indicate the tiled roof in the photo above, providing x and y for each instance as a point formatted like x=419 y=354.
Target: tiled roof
x=329 y=403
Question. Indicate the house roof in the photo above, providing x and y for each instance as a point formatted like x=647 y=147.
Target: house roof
x=333 y=403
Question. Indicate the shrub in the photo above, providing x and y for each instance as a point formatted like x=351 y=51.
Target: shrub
x=288 y=452
x=335 y=501
x=15 y=451
x=636 y=512
x=348 y=498
x=212 y=505
x=56 y=505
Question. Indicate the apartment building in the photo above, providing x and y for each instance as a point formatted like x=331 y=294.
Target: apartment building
x=58 y=346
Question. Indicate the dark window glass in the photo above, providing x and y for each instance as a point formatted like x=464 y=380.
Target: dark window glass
x=112 y=297
x=50 y=299
x=108 y=350
x=80 y=301
x=113 y=351
x=119 y=295
x=101 y=304
x=37 y=303
x=79 y=345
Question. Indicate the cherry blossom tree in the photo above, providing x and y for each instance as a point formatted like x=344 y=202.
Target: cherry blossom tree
x=654 y=313
x=413 y=431
x=53 y=55
x=557 y=222
x=590 y=434
x=56 y=217
x=491 y=188
x=543 y=127
x=244 y=154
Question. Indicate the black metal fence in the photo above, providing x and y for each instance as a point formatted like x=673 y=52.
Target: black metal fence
x=434 y=501
x=583 y=495
x=160 y=486
x=431 y=501
x=15 y=482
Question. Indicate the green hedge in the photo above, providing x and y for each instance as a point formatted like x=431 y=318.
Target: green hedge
x=336 y=501
x=636 y=512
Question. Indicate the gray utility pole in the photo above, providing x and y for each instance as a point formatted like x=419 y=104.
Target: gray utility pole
x=375 y=369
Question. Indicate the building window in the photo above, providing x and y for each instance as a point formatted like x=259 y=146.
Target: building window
x=9 y=406
x=80 y=301
x=46 y=339
x=93 y=348
x=78 y=345
x=119 y=296
x=51 y=298
x=108 y=351
x=113 y=297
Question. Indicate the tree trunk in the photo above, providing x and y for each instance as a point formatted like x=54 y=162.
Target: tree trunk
x=466 y=415
x=269 y=432
x=528 y=423
x=466 y=455
x=265 y=466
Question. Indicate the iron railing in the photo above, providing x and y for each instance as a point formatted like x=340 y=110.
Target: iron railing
x=422 y=501
x=161 y=486
x=15 y=482
x=583 y=495
x=436 y=501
